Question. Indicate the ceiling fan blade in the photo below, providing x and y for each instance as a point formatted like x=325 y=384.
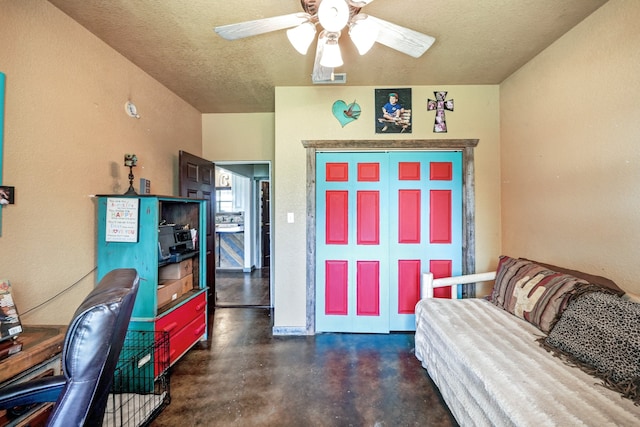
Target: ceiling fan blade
x=359 y=3
x=320 y=73
x=261 y=26
x=402 y=39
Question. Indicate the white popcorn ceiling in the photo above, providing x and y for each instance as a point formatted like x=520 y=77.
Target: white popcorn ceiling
x=477 y=42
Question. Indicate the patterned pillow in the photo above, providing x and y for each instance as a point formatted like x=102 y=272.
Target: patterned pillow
x=533 y=292
x=600 y=333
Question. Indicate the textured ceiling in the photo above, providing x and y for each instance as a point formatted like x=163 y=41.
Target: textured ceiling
x=477 y=42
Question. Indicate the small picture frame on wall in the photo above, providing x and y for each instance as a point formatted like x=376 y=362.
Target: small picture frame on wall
x=7 y=195
x=393 y=110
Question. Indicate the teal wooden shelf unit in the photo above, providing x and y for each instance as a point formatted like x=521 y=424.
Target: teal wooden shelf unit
x=172 y=294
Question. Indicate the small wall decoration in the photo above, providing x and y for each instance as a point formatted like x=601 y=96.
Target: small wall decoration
x=6 y=195
x=130 y=161
x=440 y=104
x=393 y=110
x=122 y=219
x=346 y=113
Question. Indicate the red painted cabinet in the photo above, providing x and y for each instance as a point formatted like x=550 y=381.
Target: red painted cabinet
x=185 y=325
x=172 y=294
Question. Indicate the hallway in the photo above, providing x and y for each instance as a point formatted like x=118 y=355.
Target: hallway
x=248 y=377
x=235 y=288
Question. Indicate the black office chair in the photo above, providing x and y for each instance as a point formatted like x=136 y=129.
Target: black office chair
x=91 y=349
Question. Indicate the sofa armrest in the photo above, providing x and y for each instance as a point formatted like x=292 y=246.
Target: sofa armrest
x=429 y=283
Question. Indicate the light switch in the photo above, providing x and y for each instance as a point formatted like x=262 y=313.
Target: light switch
x=290 y=217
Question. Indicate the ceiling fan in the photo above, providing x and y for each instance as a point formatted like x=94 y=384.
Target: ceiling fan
x=334 y=17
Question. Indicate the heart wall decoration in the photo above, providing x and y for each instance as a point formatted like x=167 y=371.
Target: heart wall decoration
x=346 y=113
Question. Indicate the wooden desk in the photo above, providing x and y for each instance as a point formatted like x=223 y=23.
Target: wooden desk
x=40 y=355
x=39 y=344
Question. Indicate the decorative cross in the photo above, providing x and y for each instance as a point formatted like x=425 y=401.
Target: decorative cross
x=440 y=105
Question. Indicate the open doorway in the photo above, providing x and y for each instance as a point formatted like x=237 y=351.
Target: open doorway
x=243 y=234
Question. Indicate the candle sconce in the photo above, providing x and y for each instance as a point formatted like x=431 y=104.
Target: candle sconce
x=130 y=161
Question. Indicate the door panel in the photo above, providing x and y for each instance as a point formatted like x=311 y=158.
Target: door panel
x=336 y=287
x=409 y=216
x=409 y=271
x=352 y=244
x=265 y=224
x=368 y=223
x=196 y=178
x=382 y=220
x=441 y=268
x=368 y=288
x=426 y=230
x=337 y=217
x=440 y=218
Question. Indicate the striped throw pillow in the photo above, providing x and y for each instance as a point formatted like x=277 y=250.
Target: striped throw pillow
x=533 y=292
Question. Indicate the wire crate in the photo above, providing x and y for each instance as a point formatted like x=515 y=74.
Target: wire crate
x=140 y=389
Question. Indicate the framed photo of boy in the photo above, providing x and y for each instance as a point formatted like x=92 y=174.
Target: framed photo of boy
x=393 y=110
x=6 y=195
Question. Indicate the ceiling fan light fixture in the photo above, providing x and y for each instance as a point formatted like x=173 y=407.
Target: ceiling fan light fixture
x=363 y=33
x=333 y=14
x=302 y=36
x=331 y=56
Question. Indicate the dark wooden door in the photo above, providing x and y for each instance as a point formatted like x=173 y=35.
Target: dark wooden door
x=197 y=181
x=266 y=225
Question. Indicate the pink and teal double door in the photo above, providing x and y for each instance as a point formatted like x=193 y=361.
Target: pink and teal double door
x=382 y=219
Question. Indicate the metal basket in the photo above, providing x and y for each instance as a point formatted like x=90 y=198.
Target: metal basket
x=140 y=389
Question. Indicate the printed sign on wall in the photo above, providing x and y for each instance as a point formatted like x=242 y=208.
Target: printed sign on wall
x=122 y=219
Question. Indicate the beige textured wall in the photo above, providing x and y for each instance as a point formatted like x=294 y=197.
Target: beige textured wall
x=238 y=137
x=66 y=133
x=305 y=113
x=571 y=149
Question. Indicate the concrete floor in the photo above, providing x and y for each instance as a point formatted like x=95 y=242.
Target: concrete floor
x=235 y=288
x=248 y=377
